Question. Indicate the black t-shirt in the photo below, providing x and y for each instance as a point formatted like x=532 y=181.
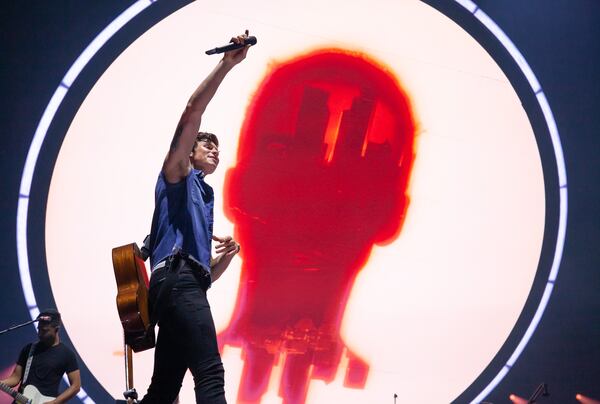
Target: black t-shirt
x=47 y=367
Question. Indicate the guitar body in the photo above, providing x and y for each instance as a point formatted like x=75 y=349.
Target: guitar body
x=34 y=395
x=30 y=395
x=132 y=297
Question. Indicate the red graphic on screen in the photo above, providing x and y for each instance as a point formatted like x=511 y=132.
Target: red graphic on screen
x=324 y=158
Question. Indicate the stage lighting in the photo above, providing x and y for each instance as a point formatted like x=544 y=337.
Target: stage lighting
x=517 y=400
x=586 y=400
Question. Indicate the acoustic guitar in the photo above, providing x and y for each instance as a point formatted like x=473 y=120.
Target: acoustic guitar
x=132 y=297
x=30 y=395
x=132 y=305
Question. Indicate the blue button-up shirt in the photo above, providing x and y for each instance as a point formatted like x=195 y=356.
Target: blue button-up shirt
x=183 y=219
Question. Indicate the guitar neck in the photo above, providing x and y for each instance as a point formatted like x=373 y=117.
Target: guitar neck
x=19 y=398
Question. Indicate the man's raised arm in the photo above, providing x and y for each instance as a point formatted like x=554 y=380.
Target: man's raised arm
x=177 y=163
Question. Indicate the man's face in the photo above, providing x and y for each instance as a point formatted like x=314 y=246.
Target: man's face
x=205 y=157
x=47 y=332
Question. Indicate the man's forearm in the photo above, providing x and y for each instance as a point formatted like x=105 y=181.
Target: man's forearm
x=219 y=266
x=11 y=381
x=207 y=89
x=68 y=394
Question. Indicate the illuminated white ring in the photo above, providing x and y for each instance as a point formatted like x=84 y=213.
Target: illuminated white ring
x=36 y=145
x=562 y=183
x=138 y=7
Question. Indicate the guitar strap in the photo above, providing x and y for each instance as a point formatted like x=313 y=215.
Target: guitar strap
x=28 y=365
x=174 y=263
x=145 y=249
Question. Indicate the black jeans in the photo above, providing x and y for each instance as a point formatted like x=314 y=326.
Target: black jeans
x=186 y=340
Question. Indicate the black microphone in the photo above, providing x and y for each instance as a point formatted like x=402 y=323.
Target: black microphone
x=251 y=40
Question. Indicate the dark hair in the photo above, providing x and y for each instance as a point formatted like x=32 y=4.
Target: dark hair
x=206 y=136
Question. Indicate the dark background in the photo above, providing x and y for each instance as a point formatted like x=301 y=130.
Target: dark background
x=560 y=39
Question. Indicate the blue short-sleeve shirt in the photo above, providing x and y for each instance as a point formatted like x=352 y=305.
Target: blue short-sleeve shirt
x=183 y=219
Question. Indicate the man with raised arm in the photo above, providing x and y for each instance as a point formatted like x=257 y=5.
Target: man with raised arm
x=181 y=262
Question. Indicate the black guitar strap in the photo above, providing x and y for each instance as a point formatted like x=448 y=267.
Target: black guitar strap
x=173 y=265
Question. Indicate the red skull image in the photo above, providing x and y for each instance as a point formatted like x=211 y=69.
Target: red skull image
x=324 y=158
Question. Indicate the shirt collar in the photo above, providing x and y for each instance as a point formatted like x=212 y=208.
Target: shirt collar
x=199 y=173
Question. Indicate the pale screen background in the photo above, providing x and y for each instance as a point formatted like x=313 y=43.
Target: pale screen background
x=435 y=305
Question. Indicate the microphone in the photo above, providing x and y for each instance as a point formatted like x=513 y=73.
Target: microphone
x=44 y=318
x=251 y=40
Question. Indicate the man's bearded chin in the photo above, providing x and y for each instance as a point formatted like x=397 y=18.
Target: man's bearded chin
x=46 y=338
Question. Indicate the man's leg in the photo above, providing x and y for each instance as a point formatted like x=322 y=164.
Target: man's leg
x=169 y=367
x=201 y=349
